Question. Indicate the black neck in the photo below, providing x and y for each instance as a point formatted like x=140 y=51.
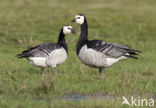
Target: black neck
x=83 y=39
x=84 y=30
x=62 y=41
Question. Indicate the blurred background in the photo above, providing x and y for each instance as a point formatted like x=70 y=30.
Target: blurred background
x=26 y=23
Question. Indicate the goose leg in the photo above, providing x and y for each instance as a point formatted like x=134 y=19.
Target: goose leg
x=54 y=69
x=42 y=70
x=50 y=70
x=101 y=70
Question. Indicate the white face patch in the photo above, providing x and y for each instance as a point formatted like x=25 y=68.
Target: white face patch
x=79 y=19
x=67 y=29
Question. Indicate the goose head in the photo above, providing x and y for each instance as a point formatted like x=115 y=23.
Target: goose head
x=68 y=29
x=79 y=19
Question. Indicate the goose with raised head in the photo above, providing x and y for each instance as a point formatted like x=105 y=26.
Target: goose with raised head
x=98 y=53
x=49 y=54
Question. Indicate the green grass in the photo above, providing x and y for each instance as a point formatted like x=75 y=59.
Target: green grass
x=30 y=22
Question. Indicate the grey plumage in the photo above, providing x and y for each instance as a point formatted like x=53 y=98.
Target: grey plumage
x=112 y=50
x=49 y=54
x=42 y=50
x=97 y=53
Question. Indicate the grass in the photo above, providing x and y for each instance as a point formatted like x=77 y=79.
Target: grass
x=30 y=22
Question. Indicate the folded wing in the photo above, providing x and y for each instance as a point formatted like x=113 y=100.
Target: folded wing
x=112 y=50
x=41 y=50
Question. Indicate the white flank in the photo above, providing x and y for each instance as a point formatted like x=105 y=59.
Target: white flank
x=96 y=59
x=56 y=57
x=38 y=61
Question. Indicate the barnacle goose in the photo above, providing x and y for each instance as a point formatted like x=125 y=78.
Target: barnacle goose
x=49 y=54
x=97 y=53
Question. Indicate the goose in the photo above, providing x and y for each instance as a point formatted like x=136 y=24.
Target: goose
x=98 y=53
x=49 y=54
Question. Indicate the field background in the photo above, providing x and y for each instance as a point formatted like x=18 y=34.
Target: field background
x=26 y=23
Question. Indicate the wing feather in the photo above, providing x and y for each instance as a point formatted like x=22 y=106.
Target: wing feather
x=113 y=50
x=41 y=50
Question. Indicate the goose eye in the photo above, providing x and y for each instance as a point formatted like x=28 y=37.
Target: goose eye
x=69 y=28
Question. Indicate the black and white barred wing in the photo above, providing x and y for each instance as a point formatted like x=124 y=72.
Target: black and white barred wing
x=112 y=50
x=39 y=51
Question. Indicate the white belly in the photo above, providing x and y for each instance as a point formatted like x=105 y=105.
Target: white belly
x=110 y=61
x=38 y=61
x=56 y=57
x=96 y=59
